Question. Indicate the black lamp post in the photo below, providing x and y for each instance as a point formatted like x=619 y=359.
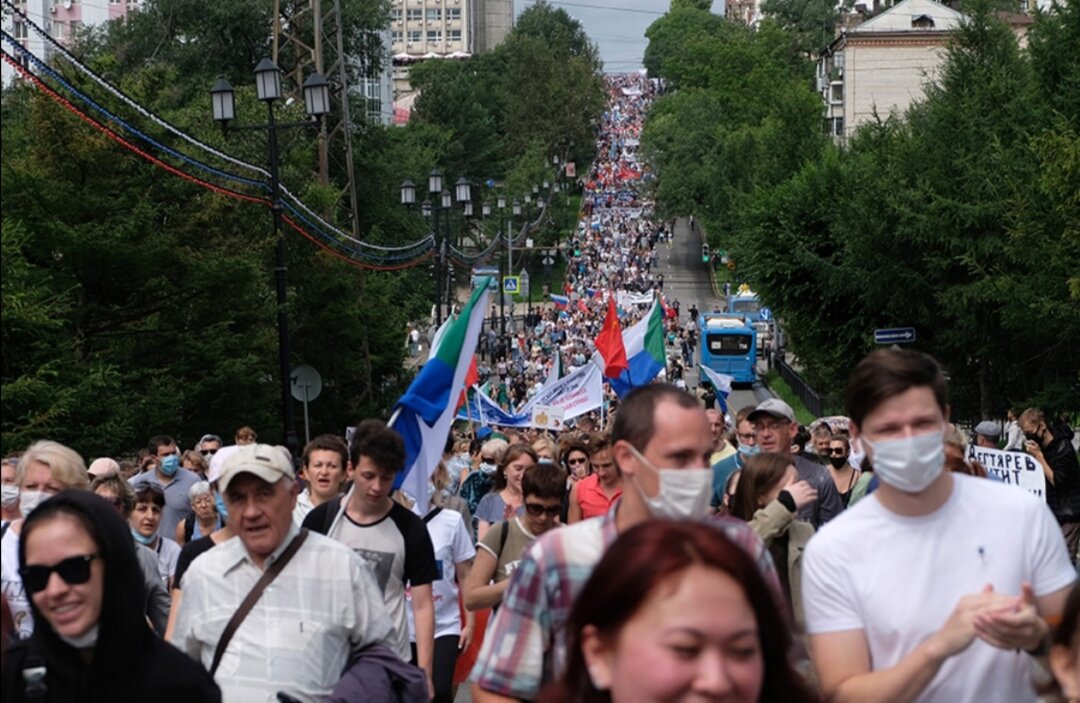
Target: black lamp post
x=443 y=201
x=317 y=103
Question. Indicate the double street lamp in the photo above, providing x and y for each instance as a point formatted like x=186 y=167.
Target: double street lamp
x=444 y=201
x=317 y=103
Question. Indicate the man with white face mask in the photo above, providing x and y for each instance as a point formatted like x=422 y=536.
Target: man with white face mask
x=661 y=445
x=937 y=587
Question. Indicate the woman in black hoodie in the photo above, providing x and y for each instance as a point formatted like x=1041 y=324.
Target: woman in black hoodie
x=91 y=641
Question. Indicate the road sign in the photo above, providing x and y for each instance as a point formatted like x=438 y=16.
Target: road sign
x=306 y=387
x=766 y=314
x=548 y=261
x=511 y=284
x=896 y=335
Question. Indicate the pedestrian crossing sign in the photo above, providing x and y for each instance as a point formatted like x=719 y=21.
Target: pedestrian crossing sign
x=511 y=284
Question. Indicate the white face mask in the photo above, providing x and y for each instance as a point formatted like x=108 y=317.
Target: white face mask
x=28 y=500
x=9 y=495
x=909 y=464
x=684 y=493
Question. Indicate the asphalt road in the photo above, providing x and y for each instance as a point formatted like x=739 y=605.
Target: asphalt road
x=686 y=279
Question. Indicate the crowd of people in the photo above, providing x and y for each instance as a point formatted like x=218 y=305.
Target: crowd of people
x=664 y=554
x=615 y=247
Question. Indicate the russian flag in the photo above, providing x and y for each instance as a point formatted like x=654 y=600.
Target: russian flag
x=561 y=301
x=644 y=342
x=424 y=415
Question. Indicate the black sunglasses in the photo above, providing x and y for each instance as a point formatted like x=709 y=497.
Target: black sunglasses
x=74 y=571
x=838 y=451
x=536 y=510
x=580 y=460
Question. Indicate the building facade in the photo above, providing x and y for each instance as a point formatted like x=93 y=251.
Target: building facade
x=60 y=19
x=882 y=66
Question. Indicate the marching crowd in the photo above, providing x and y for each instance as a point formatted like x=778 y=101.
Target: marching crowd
x=666 y=554
x=615 y=247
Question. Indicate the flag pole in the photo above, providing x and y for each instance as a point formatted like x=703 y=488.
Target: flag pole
x=393 y=417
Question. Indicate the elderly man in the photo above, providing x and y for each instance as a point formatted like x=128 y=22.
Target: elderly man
x=322 y=605
x=722 y=448
x=775 y=424
x=987 y=434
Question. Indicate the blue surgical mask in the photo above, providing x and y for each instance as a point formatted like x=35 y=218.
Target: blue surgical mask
x=141 y=539
x=170 y=465
x=749 y=449
x=219 y=502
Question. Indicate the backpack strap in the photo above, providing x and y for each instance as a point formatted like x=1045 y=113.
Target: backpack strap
x=502 y=536
x=189 y=527
x=331 y=512
x=4 y=528
x=431 y=515
x=253 y=597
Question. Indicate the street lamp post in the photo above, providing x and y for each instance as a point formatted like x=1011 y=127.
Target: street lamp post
x=316 y=103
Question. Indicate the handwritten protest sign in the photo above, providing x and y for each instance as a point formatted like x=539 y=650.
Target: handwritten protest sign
x=1014 y=468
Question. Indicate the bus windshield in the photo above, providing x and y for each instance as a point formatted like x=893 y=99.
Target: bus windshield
x=746 y=306
x=729 y=344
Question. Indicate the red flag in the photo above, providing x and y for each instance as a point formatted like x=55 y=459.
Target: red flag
x=471 y=377
x=582 y=306
x=610 y=343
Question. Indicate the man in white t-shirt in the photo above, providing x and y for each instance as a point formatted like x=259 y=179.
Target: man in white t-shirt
x=937 y=587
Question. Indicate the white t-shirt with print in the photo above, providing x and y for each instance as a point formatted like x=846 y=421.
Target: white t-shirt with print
x=12 y=584
x=899 y=578
x=452 y=544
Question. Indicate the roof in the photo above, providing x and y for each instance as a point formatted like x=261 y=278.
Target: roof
x=903 y=16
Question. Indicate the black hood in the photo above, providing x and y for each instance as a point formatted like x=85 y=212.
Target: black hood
x=122 y=625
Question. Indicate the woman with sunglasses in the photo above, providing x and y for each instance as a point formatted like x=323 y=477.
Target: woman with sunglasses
x=45 y=469
x=501 y=548
x=844 y=474
x=91 y=641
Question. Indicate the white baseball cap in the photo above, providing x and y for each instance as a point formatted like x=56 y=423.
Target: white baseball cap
x=263 y=460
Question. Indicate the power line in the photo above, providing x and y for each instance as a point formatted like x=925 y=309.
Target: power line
x=589 y=6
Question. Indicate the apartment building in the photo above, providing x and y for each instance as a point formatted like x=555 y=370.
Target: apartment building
x=60 y=19
x=421 y=30
x=882 y=66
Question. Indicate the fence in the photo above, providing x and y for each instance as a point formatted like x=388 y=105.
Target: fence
x=816 y=403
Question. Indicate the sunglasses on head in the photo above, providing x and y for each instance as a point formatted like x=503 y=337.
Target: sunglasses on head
x=536 y=510
x=74 y=571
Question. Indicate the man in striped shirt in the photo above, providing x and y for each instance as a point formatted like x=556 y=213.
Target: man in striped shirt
x=659 y=432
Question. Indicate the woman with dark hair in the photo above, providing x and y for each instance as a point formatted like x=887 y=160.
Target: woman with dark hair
x=91 y=641
x=699 y=623
x=504 y=499
x=768 y=496
x=1065 y=652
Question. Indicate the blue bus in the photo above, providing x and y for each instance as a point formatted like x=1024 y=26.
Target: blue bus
x=746 y=303
x=728 y=345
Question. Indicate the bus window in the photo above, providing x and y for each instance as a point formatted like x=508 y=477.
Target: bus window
x=745 y=306
x=729 y=344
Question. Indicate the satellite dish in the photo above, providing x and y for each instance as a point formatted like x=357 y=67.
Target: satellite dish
x=306 y=383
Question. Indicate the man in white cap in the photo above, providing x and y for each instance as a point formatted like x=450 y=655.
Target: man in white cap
x=103 y=466
x=322 y=604
x=987 y=434
x=776 y=426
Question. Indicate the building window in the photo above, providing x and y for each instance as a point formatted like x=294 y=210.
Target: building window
x=434 y=35
x=453 y=13
x=57 y=30
x=838 y=126
x=395 y=13
x=396 y=35
x=20 y=30
x=453 y=35
x=434 y=14
x=836 y=94
x=415 y=35
x=414 y=14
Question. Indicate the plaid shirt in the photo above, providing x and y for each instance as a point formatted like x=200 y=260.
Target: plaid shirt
x=525 y=646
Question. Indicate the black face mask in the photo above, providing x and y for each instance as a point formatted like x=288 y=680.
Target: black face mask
x=1034 y=436
x=838 y=461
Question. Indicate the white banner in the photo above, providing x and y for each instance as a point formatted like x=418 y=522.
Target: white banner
x=575 y=394
x=1015 y=468
x=628 y=299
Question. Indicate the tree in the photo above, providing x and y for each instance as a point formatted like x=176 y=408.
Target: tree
x=811 y=23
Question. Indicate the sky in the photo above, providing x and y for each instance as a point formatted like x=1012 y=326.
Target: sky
x=616 y=26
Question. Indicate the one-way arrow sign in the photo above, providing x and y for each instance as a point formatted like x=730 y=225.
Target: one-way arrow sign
x=897 y=335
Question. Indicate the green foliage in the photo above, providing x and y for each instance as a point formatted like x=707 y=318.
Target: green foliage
x=541 y=88
x=811 y=23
